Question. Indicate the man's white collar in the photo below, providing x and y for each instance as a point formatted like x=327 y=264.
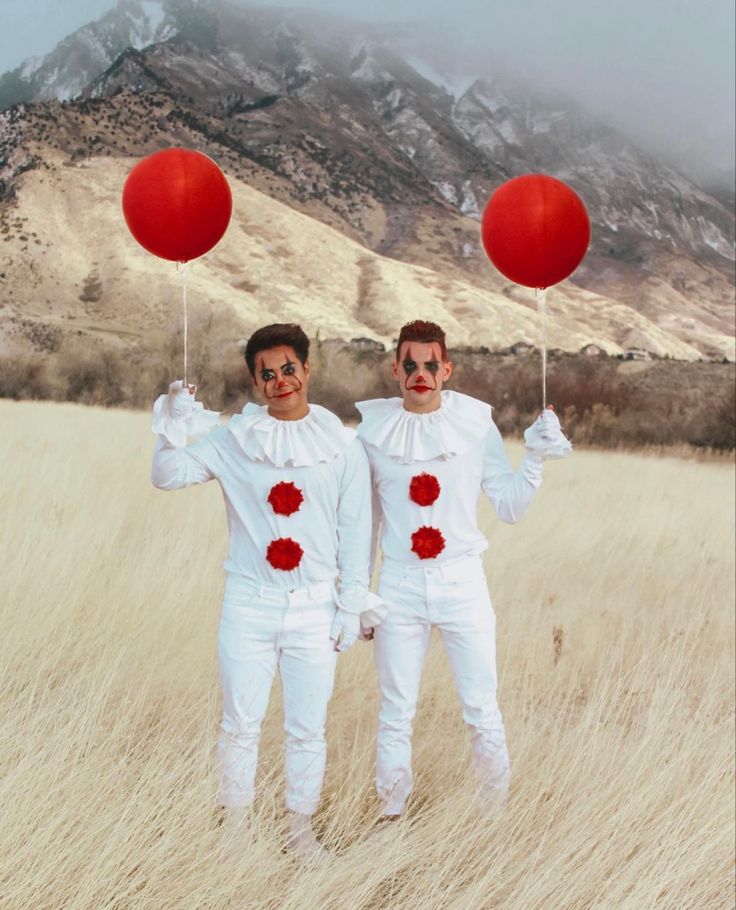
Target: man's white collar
x=318 y=437
x=452 y=429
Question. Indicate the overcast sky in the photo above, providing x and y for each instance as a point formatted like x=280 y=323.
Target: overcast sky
x=661 y=68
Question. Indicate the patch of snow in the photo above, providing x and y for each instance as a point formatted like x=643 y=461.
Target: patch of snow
x=93 y=42
x=61 y=86
x=507 y=129
x=653 y=209
x=51 y=77
x=394 y=98
x=29 y=66
x=454 y=84
x=154 y=12
x=469 y=204
x=492 y=101
x=448 y=191
x=713 y=238
x=66 y=90
x=370 y=71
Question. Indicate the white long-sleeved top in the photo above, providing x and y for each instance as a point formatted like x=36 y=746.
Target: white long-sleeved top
x=253 y=453
x=460 y=446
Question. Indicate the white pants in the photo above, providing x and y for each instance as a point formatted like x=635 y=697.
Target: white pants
x=263 y=628
x=455 y=599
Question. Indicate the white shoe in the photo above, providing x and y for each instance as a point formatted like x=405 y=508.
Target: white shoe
x=302 y=842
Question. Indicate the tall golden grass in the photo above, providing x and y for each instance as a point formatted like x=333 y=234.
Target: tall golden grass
x=615 y=645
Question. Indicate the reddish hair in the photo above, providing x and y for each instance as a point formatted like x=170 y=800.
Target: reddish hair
x=424 y=333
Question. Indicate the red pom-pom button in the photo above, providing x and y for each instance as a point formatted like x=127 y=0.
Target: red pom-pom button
x=427 y=542
x=284 y=554
x=424 y=489
x=285 y=498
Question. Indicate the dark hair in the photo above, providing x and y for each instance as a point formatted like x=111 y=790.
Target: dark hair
x=288 y=334
x=423 y=332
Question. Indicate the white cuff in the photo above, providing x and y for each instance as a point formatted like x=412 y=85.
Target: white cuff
x=374 y=613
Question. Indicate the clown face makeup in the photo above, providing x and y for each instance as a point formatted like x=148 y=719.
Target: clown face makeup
x=282 y=380
x=421 y=372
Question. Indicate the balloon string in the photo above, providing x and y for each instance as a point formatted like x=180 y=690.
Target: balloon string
x=183 y=268
x=541 y=307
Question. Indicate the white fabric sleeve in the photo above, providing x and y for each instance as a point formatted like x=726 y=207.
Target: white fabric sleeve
x=510 y=492
x=377 y=516
x=174 y=468
x=175 y=417
x=354 y=530
x=375 y=613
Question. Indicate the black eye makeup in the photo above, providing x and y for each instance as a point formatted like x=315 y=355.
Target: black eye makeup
x=267 y=375
x=409 y=366
x=432 y=366
x=288 y=369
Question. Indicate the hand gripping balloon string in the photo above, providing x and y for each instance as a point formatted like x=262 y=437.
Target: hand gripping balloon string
x=182 y=268
x=541 y=294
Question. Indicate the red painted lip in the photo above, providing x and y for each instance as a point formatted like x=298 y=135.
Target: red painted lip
x=285 y=394
x=420 y=388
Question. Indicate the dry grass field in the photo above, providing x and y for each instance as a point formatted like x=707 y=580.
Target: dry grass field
x=615 y=603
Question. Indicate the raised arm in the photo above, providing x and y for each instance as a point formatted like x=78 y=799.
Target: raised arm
x=175 y=416
x=510 y=491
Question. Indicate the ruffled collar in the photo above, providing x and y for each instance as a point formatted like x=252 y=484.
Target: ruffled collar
x=318 y=437
x=452 y=429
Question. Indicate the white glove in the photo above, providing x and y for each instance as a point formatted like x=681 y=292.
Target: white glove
x=181 y=400
x=372 y=617
x=345 y=629
x=177 y=415
x=545 y=439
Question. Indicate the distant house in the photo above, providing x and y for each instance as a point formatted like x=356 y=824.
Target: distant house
x=470 y=349
x=368 y=344
x=637 y=354
x=521 y=348
x=592 y=350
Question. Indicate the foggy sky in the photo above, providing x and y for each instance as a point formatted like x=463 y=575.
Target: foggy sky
x=661 y=69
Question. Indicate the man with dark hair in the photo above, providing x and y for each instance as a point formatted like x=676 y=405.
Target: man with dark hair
x=431 y=453
x=274 y=336
x=296 y=486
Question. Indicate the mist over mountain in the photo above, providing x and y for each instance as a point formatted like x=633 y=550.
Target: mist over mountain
x=386 y=143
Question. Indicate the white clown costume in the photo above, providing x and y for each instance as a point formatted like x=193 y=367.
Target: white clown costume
x=428 y=470
x=296 y=494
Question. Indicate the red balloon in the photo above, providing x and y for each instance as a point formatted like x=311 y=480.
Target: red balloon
x=535 y=230
x=177 y=204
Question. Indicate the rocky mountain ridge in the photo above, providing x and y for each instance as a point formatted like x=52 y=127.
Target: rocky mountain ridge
x=332 y=120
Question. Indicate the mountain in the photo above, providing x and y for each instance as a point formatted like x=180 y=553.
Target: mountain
x=82 y=56
x=354 y=127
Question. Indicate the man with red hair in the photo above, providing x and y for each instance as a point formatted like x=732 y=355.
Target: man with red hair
x=432 y=452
